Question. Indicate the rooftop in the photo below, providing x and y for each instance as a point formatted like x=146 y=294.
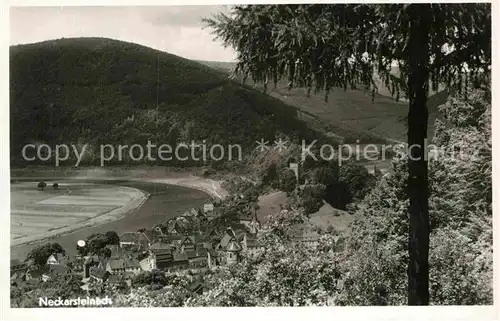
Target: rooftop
x=161 y=246
x=129 y=237
x=98 y=273
x=116 y=264
x=233 y=246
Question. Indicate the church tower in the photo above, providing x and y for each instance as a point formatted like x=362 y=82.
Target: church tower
x=233 y=251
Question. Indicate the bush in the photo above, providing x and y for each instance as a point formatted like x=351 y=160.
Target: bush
x=326 y=175
x=288 y=180
x=42 y=185
x=55 y=186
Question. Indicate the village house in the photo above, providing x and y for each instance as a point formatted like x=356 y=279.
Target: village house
x=180 y=261
x=132 y=265
x=141 y=239
x=167 y=260
x=196 y=287
x=229 y=234
x=57 y=259
x=115 y=266
x=16 y=265
x=122 y=265
x=89 y=262
x=187 y=244
x=76 y=265
x=17 y=275
x=307 y=237
x=98 y=274
x=168 y=257
x=54 y=271
x=250 y=245
x=208 y=208
x=34 y=274
x=117 y=280
x=159 y=253
x=17 y=278
x=129 y=239
x=116 y=251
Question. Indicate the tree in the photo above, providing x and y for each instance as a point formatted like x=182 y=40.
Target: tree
x=41 y=185
x=112 y=238
x=155 y=279
x=96 y=244
x=40 y=254
x=343 y=45
x=326 y=175
x=288 y=181
x=310 y=197
x=356 y=179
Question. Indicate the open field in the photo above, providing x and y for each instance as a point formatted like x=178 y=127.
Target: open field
x=99 y=190
x=36 y=214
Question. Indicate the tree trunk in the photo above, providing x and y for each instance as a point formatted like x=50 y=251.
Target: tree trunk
x=418 y=75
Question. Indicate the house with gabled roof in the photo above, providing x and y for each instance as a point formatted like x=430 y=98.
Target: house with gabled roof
x=196 y=287
x=174 y=227
x=118 y=280
x=123 y=265
x=158 y=246
x=98 y=275
x=88 y=263
x=76 y=265
x=187 y=244
x=253 y=225
x=208 y=208
x=115 y=266
x=116 y=251
x=33 y=274
x=161 y=259
x=57 y=259
x=141 y=239
x=54 y=271
x=226 y=238
x=132 y=265
x=129 y=239
x=150 y=235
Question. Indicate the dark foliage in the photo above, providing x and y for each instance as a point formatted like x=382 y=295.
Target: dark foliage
x=287 y=180
x=40 y=254
x=101 y=91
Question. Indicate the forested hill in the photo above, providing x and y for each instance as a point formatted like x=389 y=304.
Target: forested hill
x=103 y=91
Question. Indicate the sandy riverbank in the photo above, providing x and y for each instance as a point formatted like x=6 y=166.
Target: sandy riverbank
x=138 y=197
x=148 y=174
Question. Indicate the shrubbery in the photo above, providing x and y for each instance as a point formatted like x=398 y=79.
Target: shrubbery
x=41 y=253
x=288 y=180
x=310 y=197
x=154 y=279
x=460 y=210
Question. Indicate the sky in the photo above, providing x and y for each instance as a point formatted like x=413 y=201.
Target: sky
x=174 y=29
